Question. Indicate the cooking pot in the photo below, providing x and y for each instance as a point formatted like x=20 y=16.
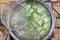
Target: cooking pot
x=18 y=10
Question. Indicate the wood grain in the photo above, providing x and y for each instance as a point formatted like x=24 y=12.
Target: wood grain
x=56 y=37
x=6 y=1
x=56 y=31
x=56 y=6
x=58 y=22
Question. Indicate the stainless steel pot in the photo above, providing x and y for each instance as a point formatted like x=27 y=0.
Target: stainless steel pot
x=17 y=6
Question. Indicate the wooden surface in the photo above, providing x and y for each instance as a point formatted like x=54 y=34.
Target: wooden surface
x=57 y=8
x=3 y=29
x=6 y=1
x=58 y=22
x=55 y=5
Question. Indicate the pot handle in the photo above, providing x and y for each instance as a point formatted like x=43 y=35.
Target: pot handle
x=0 y=20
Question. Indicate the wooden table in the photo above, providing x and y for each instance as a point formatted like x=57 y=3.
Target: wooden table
x=56 y=7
